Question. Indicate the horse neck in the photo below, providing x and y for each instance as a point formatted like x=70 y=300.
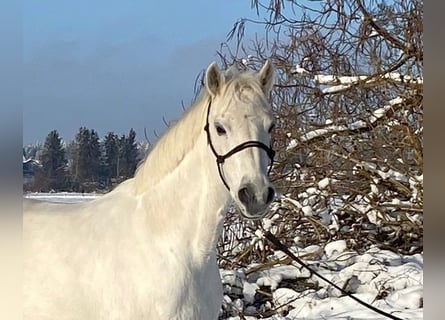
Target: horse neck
x=190 y=202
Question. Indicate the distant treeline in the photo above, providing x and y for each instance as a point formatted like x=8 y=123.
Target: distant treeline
x=85 y=164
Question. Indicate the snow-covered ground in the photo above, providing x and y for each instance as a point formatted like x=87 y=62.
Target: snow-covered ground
x=62 y=197
x=389 y=281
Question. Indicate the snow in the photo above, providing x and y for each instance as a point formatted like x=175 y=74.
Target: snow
x=346 y=82
x=335 y=248
x=357 y=125
x=292 y=144
x=389 y=281
x=272 y=278
x=62 y=197
x=323 y=183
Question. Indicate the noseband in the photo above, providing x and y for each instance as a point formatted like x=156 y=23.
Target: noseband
x=248 y=144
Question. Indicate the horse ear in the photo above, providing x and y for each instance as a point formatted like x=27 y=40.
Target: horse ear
x=214 y=79
x=266 y=76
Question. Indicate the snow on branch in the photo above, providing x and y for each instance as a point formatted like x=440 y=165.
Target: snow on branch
x=337 y=84
x=356 y=126
x=410 y=185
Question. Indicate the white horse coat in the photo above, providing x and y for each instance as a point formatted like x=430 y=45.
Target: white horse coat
x=147 y=249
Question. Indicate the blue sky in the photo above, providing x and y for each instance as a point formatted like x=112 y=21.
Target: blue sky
x=112 y=65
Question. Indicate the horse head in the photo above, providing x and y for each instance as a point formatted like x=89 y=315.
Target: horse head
x=238 y=125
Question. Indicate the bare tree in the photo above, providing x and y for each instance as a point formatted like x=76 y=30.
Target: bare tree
x=349 y=104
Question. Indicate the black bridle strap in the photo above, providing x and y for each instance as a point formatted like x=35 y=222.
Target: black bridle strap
x=248 y=144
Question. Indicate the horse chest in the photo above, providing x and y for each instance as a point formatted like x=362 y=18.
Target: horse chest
x=191 y=291
x=172 y=286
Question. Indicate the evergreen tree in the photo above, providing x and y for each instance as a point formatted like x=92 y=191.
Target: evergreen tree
x=33 y=151
x=110 y=157
x=94 y=155
x=121 y=162
x=70 y=153
x=53 y=174
x=80 y=156
x=87 y=157
x=130 y=154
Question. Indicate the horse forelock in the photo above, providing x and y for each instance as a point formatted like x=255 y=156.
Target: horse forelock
x=244 y=86
x=180 y=138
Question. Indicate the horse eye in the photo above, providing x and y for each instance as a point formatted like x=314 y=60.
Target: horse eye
x=271 y=128
x=220 y=130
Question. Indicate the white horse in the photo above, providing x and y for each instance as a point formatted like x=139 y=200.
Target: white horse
x=147 y=249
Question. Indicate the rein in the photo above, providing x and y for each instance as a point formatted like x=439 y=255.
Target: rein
x=248 y=144
x=269 y=236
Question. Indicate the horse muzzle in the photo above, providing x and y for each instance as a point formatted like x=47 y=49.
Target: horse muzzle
x=254 y=200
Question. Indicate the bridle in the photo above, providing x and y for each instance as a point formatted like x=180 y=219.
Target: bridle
x=248 y=144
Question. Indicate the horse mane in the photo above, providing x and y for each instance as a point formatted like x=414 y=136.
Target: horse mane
x=180 y=138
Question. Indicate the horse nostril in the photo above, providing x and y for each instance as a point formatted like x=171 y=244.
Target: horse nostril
x=270 y=195
x=244 y=196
